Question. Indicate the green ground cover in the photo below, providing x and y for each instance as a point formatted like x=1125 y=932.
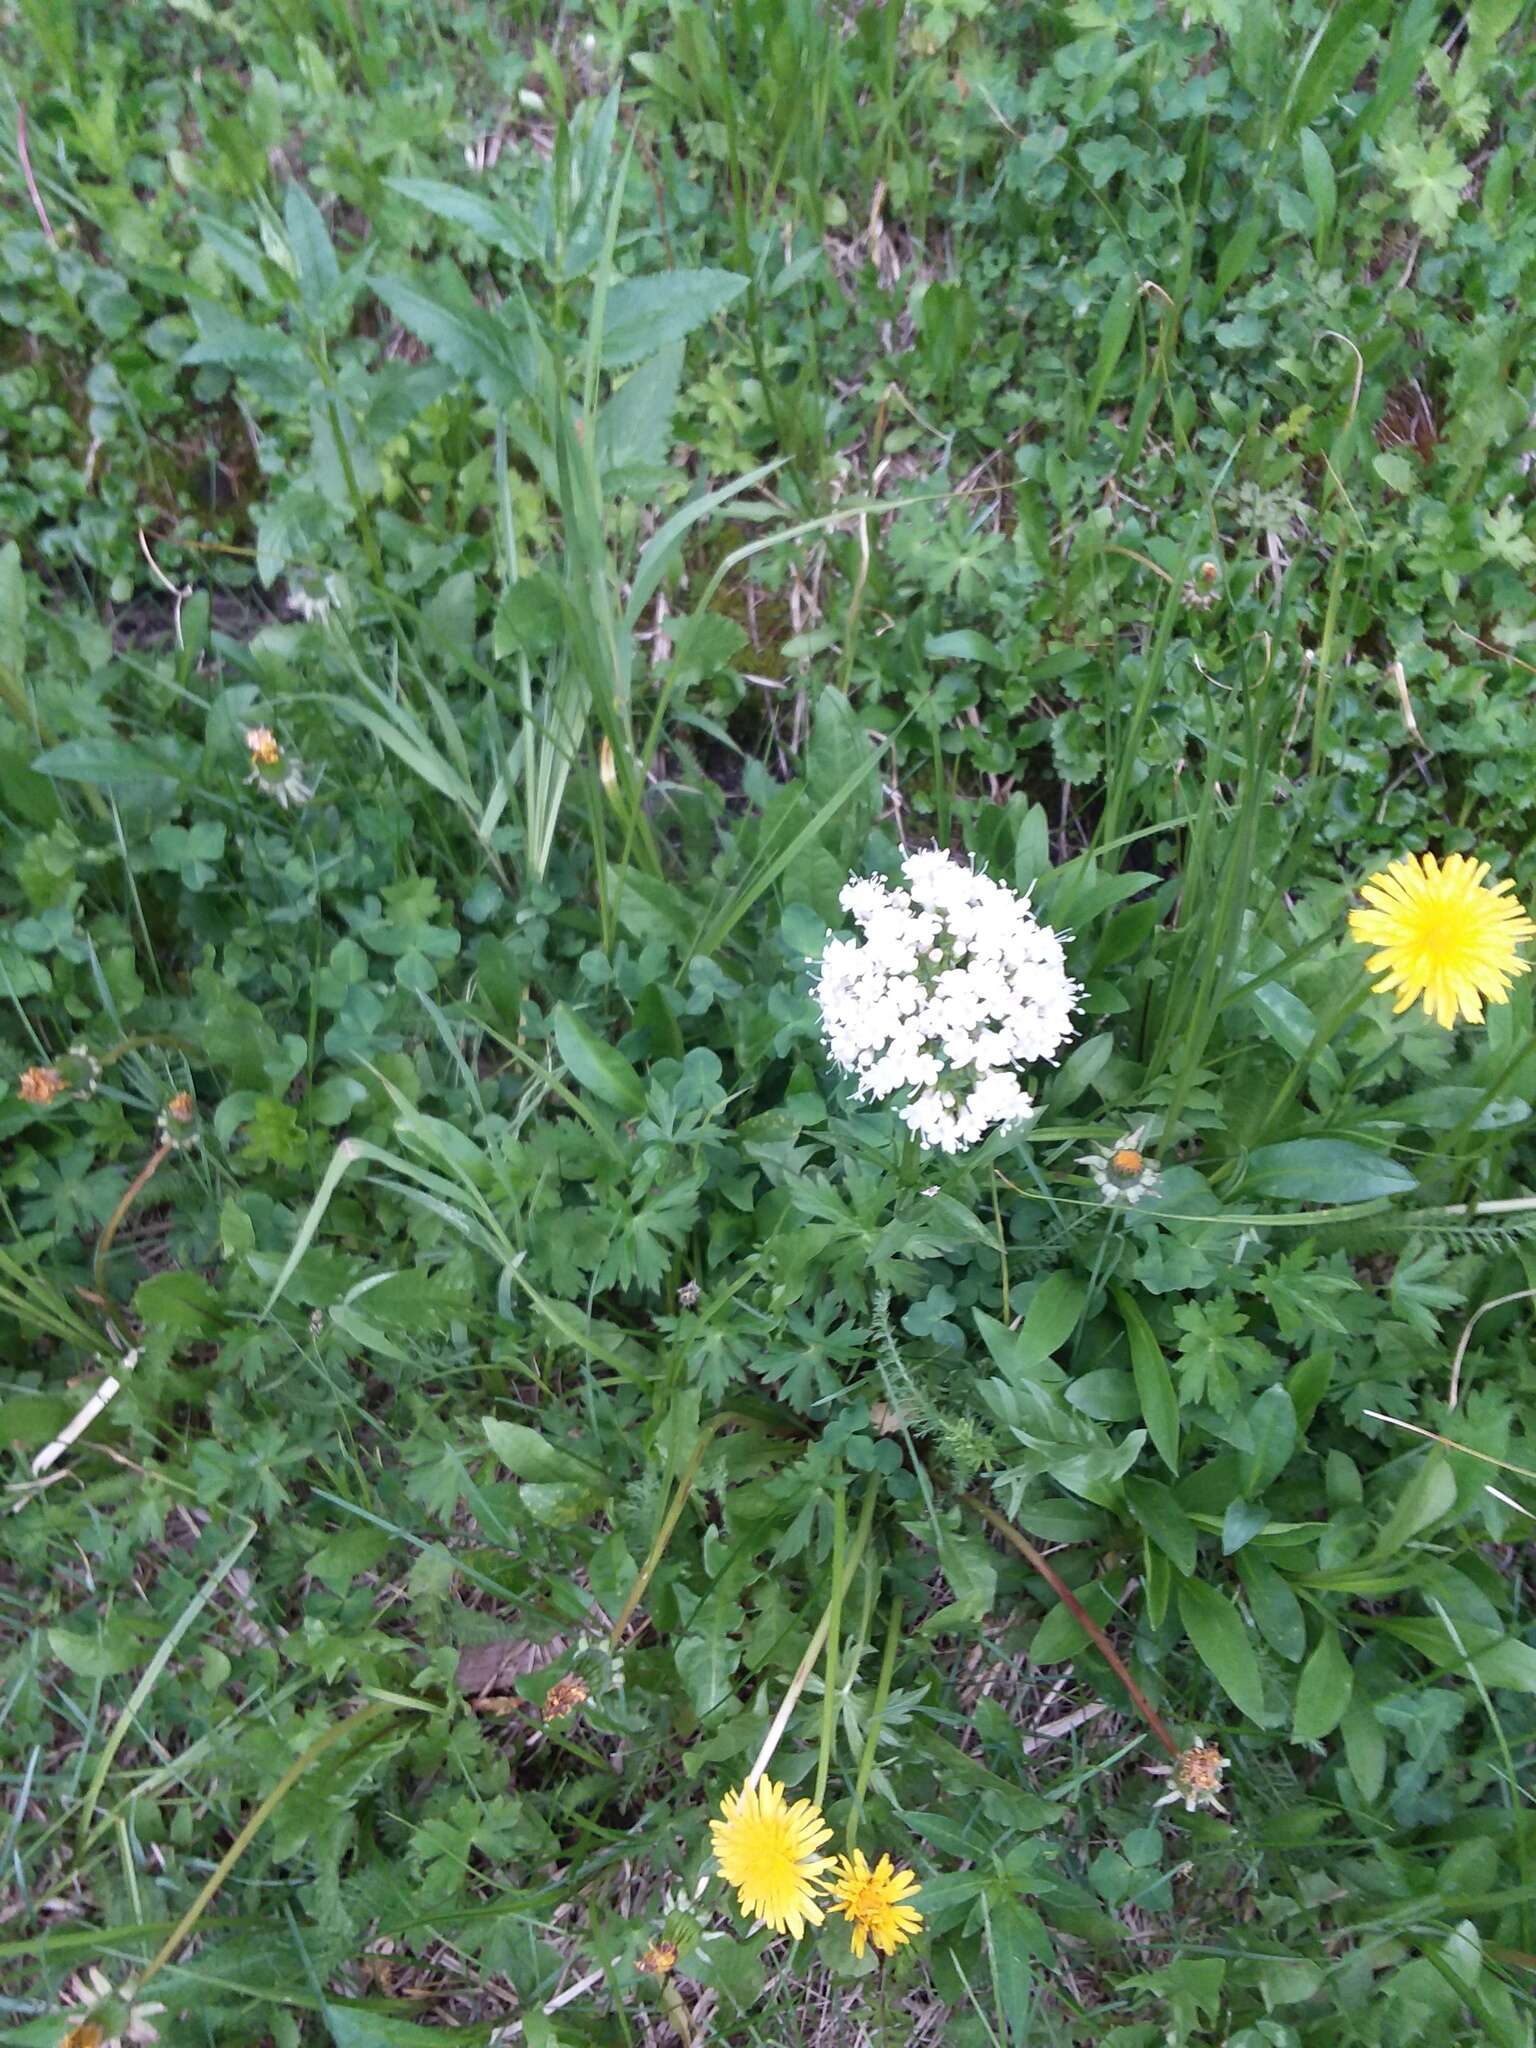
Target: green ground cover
x=506 y=509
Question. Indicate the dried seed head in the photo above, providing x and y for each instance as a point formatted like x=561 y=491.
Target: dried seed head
x=564 y=1697
x=261 y=742
x=181 y=1108
x=659 y=1960
x=40 y=1085
x=1194 y=1777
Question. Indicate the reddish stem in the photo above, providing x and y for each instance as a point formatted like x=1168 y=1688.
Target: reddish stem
x=1079 y=1614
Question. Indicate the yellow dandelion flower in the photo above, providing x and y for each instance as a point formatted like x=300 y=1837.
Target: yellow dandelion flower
x=874 y=1902
x=767 y=1849
x=1442 y=935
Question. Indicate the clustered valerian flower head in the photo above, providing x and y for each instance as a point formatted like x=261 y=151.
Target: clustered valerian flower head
x=1122 y=1172
x=954 y=985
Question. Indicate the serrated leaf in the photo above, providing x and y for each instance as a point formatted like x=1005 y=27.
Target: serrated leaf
x=644 y=314
x=485 y=347
x=494 y=223
x=705 y=1662
x=310 y=241
x=634 y=429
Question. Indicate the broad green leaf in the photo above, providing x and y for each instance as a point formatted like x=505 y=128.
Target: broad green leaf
x=597 y=1065
x=1240 y=248
x=1428 y=1495
x=1322 y=186
x=1017 y=1940
x=528 y=1455
x=13 y=617
x=1325 y=1170
x=1323 y=1690
x=1272 y=1427
x=645 y=314
x=1114 y=331
x=107 y=1655
x=1240 y=1524
x=1222 y=1644
x=1159 y=1513
x=1080 y=1069
x=1365 y=1749
x=353 y=2027
x=1275 y=1609
x=1154 y=1382
x=106 y=763
x=839 y=748
x=1052 y=1315
x=1292 y=1026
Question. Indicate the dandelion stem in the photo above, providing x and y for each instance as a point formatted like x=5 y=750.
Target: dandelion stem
x=807 y=1663
x=664 y=1534
x=115 y=1220
x=237 y=1848
x=876 y=1719
x=1079 y=1613
x=834 y=1628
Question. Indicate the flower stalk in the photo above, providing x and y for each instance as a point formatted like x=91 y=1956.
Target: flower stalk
x=1079 y=1613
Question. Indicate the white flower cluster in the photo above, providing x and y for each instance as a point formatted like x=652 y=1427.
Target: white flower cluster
x=954 y=985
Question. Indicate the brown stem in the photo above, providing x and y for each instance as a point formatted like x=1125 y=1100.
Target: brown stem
x=26 y=171
x=1079 y=1613
x=115 y=1220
